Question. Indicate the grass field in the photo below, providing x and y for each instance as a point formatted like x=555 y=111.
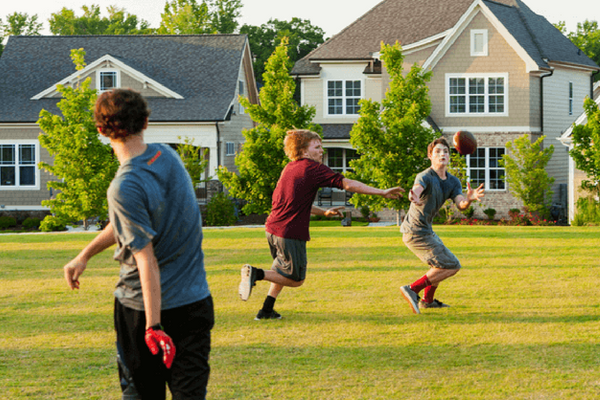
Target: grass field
x=524 y=321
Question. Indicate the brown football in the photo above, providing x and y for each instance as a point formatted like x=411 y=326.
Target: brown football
x=464 y=142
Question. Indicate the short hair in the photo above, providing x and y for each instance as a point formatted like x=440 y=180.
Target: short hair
x=120 y=113
x=437 y=141
x=296 y=141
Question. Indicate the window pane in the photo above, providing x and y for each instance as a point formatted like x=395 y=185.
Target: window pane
x=457 y=86
x=108 y=80
x=27 y=176
x=7 y=176
x=7 y=154
x=335 y=159
x=352 y=106
x=335 y=106
x=457 y=104
x=477 y=104
x=478 y=42
x=476 y=86
x=26 y=154
x=353 y=88
x=334 y=88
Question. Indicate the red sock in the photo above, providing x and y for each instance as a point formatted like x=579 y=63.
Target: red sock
x=428 y=294
x=420 y=284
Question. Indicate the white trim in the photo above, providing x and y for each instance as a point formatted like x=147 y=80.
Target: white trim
x=484 y=50
x=336 y=143
x=487 y=169
x=36 y=145
x=491 y=129
x=486 y=94
x=113 y=63
x=4 y=207
x=100 y=71
x=344 y=98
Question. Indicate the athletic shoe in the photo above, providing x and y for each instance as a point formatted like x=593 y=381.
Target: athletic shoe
x=434 y=304
x=411 y=297
x=267 y=315
x=247 y=282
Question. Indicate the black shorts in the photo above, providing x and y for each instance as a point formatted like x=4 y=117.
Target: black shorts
x=289 y=257
x=189 y=326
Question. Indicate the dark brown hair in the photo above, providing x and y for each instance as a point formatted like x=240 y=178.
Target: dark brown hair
x=120 y=113
x=437 y=141
x=297 y=141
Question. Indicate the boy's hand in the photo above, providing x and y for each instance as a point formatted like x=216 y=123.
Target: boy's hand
x=333 y=211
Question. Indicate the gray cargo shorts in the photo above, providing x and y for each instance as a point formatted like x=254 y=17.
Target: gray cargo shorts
x=289 y=257
x=431 y=250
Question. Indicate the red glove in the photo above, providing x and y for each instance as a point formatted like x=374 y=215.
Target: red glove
x=155 y=337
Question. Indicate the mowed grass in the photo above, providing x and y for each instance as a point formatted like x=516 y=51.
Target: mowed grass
x=524 y=321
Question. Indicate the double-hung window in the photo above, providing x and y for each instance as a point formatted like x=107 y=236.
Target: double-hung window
x=477 y=94
x=338 y=159
x=483 y=166
x=343 y=97
x=18 y=165
x=230 y=149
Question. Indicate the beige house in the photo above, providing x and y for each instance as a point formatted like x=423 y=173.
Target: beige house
x=576 y=176
x=499 y=71
x=191 y=82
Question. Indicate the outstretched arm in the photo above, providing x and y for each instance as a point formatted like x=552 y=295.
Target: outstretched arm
x=330 y=212
x=463 y=202
x=359 y=187
x=76 y=266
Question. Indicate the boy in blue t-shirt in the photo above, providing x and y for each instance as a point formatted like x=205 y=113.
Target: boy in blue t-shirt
x=163 y=311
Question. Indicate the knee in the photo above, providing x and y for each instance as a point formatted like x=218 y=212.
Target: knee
x=298 y=283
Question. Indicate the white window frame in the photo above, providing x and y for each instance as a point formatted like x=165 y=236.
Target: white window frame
x=570 y=98
x=486 y=95
x=487 y=169
x=345 y=167
x=229 y=148
x=344 y=97
x=99 y=81
x=17 y=165
x=475 y=33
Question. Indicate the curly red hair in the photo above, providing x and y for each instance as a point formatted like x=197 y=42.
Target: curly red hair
x=297 y=141
x=120 y=113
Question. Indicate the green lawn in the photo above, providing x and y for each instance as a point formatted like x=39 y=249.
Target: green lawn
x=524 y=321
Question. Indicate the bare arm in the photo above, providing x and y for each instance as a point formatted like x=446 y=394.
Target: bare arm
x=331 y=212
x=150 y=280
x=359 y=187
x=463 y=202
x=76 y=266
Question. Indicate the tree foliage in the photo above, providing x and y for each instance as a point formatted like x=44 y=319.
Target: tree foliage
x=193 y=159
x=188 y=17
x=586 y=147
x=83 y=165
x=262 y=159
x=587 y=38
x=118 y=22
x=225 y=14
x=389 y=136
x=525 y=164
x=303 y=38
x=19 y=24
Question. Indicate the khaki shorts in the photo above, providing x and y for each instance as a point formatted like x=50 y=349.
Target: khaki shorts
x=431 y=250
x=289 y=257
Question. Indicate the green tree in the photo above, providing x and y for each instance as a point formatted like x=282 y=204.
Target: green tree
x=118 y=22
x=586 y=147
x=262 y=159
x=225 y=14
x=303 y=38
x=19 y=24
x=186 y=17
x=458 y=168
x=82 y=163
x=587 y=38
x=525 y=164
x=389 y=136
x=193 y=159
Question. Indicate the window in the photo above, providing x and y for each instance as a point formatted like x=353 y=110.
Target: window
x=339 y=159
x=570 y=98
x=18 y=166
x=477 y=95
x=230 y=149
x=343 y=97
x=483 y=166
x=479 y=42
x=107 y=80
x=241 y=93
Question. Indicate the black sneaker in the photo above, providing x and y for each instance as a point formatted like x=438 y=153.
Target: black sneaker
x=411 y=297
x=247 y=282
x=267 y=315
x=434 y=304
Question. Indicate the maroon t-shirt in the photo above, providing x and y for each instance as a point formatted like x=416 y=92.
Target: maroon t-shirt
x=294 y=195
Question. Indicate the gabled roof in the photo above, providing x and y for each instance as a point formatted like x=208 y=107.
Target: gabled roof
x=412 y=21
x=201 y=69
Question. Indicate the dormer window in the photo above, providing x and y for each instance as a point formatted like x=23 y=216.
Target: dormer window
x=107 y=80
x=479 y=42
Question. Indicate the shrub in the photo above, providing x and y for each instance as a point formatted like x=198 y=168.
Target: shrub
x=52 y=224
x=220 y=211
x=469 y=212
x=587 y=212
x=490 y=212
x=7 y=222
x=31 y=223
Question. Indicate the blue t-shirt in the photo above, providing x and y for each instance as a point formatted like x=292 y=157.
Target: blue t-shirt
x=436 y=191
x=151 y=199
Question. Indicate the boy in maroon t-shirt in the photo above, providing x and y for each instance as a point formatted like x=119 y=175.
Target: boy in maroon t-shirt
x=287 y=225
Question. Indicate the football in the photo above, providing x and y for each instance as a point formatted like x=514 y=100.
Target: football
x=464 y=142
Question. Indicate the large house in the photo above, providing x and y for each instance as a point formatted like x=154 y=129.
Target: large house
x=192 y=84
x=499 y=71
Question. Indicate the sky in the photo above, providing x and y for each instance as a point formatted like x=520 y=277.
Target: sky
x=330 y=15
